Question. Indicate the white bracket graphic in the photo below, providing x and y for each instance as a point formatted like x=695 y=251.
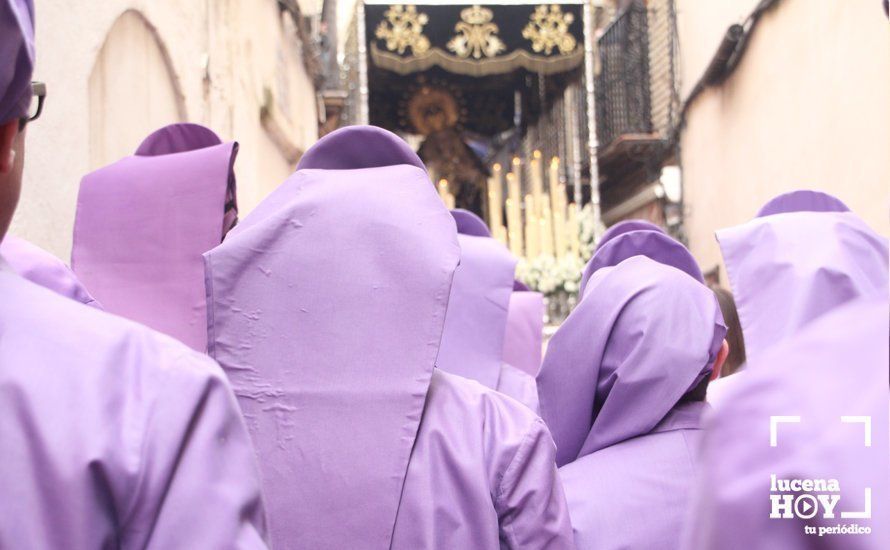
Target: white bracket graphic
x=866 y=420
x=774 y=422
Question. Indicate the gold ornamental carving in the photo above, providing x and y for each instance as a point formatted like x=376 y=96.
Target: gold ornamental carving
x=476 y=35
x=548 y=28
x=403 y=29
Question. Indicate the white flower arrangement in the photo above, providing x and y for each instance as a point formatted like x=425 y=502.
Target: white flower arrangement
x=555 y=276
x=590 y=231
x=549 y=275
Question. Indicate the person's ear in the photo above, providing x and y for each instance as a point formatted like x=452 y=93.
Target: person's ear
x=8 y=131
x=721 y=358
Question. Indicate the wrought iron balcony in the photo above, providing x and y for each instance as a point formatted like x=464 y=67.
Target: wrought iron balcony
x=623 y=102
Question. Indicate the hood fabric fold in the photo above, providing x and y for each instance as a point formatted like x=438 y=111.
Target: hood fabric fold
x=788 y=269
x=143 y=222
x=655 y=245
x=802 y=201
x=643 y=335
x=326 y=309
x=473 y=340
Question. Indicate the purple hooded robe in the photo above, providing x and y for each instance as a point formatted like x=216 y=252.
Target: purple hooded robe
x=524 y=336
x=143 y=222
x=40 y=267
x=111 y=436
x=326 y=308
x=650 y=243
x=811 y=354
x=473 y=339
x=831 y=375
x=611 y=385
x=626 y=226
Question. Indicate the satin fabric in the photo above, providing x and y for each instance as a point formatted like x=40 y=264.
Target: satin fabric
x=634 y=494
x=469 y=223
x=143 y=222
x=626 y=226
x=475 y=325
x=18 y=55
x=327 y=306
x=481 y=475
x=42 y=268
x=114 y=436
x=473 y=338
x=611 y=387
x=524 y=335
x=643 y=336
x=834 y=367
x=788 y=269
x=652 y=244
x=802 y=201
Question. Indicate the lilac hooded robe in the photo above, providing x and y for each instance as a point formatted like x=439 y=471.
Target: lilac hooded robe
x=143 y=222
x=795 y=202
x=626 y=226
x=40 y=267
x=473 y=339
x=524 y=335
x=111 y=436
x=326 y=308
x=833 y=369
x=611 y=385
x=792 y=273
x=655 y=245
x=788 y=269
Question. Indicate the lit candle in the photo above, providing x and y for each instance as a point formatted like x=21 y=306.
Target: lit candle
x=517 y=172
x=514 y=225
x=560 y=232
x=495 y=198
x=555 y=188
x=537 y=181
x=443 y=189
x=532 y=238
x=574 y=231
x=546 y=231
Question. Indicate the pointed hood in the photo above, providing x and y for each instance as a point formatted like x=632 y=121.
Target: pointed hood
x=802 y=201
x=326 y=309
x=42 y=268
x=473 y=340
x=469 y=223
x=17 y=55
x=655 y=245
x=787 y=269
x=643 y=335
x=143 y=222
x=832 y=374
x=626 y=226
x=524 y=335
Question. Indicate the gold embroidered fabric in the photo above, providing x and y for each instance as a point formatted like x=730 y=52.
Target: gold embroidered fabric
x=476 y=34
x=548 y=28
x=403 y=29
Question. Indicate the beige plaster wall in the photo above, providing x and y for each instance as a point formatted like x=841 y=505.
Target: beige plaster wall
x=223 y=55
x=809 y=107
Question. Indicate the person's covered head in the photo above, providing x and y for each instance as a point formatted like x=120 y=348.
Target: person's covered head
x=645 y=337
x=792 y=266
x=16 y=68
x=652 y=243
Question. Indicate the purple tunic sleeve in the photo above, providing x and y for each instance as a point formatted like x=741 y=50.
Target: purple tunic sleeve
x=193 y=491
x=530 y=501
